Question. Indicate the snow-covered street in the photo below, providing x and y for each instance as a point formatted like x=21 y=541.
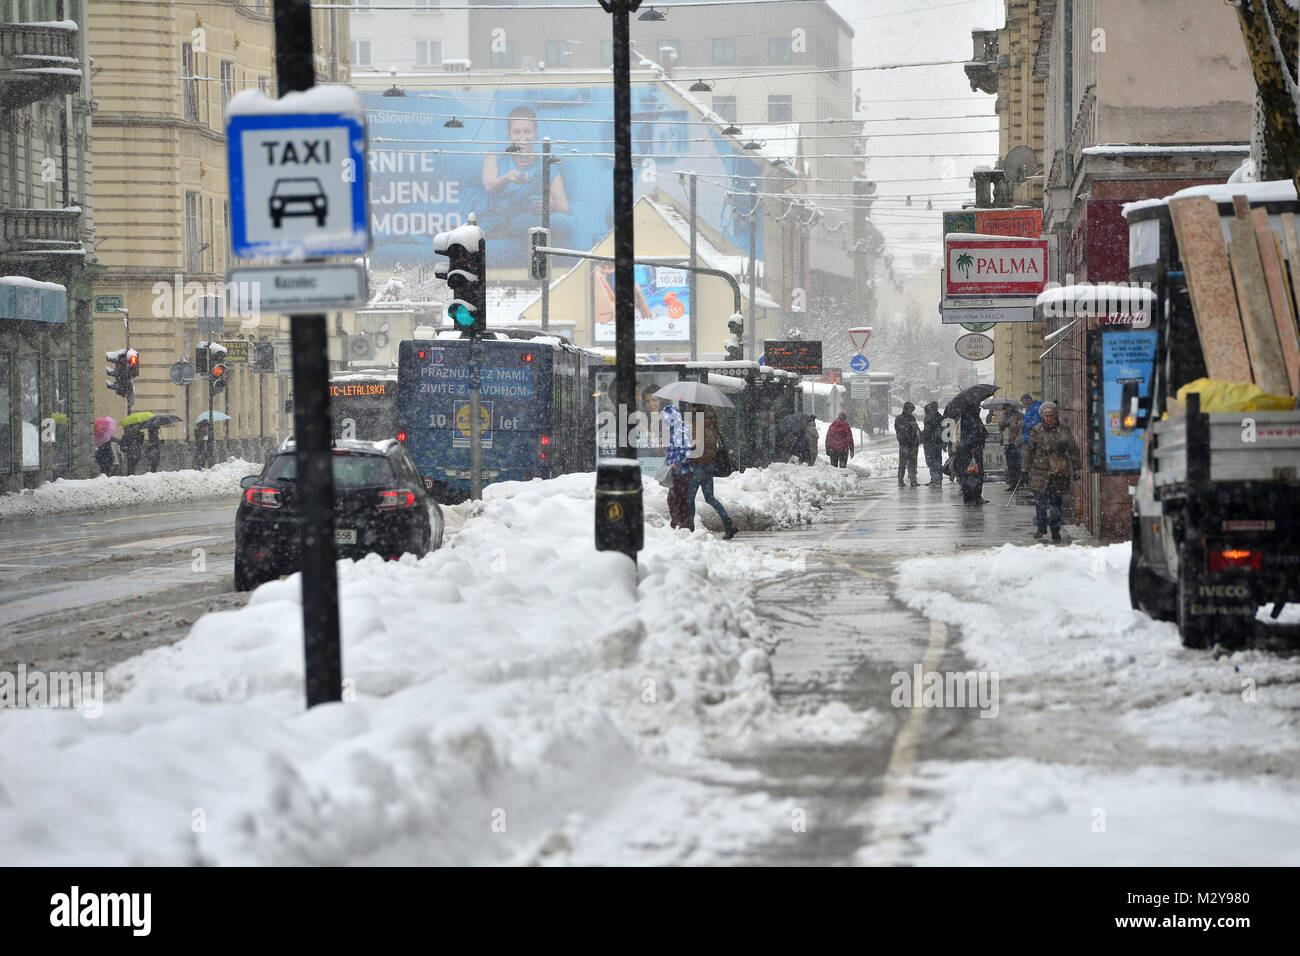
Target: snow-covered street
x=518 y=697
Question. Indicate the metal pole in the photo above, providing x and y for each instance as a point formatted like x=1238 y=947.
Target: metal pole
x=475 y=432
x=692 y=301
x=546 y=224
x=624 y=269
x=130 y=392
x=753 y=268
x=295 y=71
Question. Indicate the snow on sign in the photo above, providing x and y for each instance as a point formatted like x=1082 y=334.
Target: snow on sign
x=298 y=174
x=994 y=265
x=859 y=337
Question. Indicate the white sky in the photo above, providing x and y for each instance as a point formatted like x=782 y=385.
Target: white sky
x=902 y=31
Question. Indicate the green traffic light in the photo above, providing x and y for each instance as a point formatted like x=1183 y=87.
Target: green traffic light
x=460 y=315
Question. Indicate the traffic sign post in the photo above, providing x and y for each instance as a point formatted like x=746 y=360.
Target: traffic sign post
x=859 y=337
x=859 y=363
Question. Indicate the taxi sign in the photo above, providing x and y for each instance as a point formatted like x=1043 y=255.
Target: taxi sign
x=297 y=174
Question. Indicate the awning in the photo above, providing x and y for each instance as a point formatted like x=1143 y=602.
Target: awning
x=27 y=300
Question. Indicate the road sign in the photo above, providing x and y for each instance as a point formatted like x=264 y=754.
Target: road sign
x=974 y=347
x=859 y=363
x=859 y=337
x=859 y=387
x=298 y=174
x=283 y=356
x=236 y=351
x=108 y=303
x=985 y=315
x=994 y=266
x=307 y=288
x=181 y=373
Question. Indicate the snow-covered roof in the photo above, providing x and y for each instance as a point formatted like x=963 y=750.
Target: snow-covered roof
x=1275 y=190
x=1156 y=149
x=364 y=374
x=726 y=383
x=23 y=282
x=822 y=388
x=779 y=141
x=949 y=237
x=711 y=256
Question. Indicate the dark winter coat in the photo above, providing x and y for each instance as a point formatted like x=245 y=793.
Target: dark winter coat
x=907 y=431
x=932 y=433
x=839 y=437
x=1051 y=457
x=1010 y=425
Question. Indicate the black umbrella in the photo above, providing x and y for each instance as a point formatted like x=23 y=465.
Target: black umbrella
x=159 y=421
x=966 y=403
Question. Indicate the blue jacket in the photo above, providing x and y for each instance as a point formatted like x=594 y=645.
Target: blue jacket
x=1032 y=418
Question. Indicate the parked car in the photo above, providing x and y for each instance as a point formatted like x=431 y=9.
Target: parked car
x=381 y=507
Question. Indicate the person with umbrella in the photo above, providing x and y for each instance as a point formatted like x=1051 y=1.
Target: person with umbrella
x=1052 y=460
x=203 y=444
x=967 y=461
x=702 y=467
x=104 y=428
x=908 y=434
x=790 y=438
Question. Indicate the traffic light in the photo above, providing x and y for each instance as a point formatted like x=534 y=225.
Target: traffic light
x=217 y=378
x=201 y=360
x=541 y=264
x=465 y=273
x=736 y=326
x=133 y=362
x=120 y=370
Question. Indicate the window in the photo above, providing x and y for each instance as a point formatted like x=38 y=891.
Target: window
x=192 y=231
x=503 y=57
x=264 y=84
x=557 y=53
x=670 y=51
x=724 y=50
x=227 y=81
x=59 y=406
x=360 y=53
x=725 y=106
x=606 y=52
x=189 y=84
x=30 y=369
x=428 y=52
x=780 y=109
x=778 y=49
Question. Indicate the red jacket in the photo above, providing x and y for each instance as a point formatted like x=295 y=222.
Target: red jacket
x=839 y=437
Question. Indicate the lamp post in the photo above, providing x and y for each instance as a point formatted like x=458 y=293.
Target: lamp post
x=753 y=268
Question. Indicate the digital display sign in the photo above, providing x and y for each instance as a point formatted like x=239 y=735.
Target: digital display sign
x=360 y=389
x=794 y=355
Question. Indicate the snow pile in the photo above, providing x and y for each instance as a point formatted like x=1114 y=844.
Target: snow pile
x=511 y=698
x=103 y=491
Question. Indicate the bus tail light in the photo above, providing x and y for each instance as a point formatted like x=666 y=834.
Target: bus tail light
x=393 y=500
x=401 y=436
x=528 y=356
x=1225 y=558
x=546 y=445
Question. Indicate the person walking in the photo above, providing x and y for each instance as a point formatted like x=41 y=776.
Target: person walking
x=810 y=440
x=680 y=474
x=132 y=446
x=202 y=447
x=908 y=434
x=1052 y=461
x=968 y=458
x=932 y=441
x=702 y=466
x=1009 y=429
x=1032 y=417
x=153 y=449
x=839 y=441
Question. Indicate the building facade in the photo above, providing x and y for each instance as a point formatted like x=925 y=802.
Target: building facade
x=47 y=373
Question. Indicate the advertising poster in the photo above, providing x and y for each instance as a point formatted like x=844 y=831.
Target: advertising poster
x=1123 y=357
x=663 y=308
x=426 y=177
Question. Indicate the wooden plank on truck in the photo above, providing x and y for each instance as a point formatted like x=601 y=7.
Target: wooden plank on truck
x=1286 y=279
x=1291 y=242
x=1256 y=309
x=1277 y=294
x=1209 y=283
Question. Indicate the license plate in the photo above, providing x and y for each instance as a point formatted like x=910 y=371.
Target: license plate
x=345 y=536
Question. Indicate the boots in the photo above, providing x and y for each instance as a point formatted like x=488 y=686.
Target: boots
x=729 y=530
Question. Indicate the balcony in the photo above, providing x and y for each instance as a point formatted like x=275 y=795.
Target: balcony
x=982 y=70
x=36 y=232
x=37 y=61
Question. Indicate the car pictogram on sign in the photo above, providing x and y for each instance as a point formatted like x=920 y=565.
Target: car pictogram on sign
x=298 y=196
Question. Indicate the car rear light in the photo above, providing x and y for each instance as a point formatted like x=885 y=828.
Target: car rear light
x=392 y=500
x=263 y=497
x=1236 y=558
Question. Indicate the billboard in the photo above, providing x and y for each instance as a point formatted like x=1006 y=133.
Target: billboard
x=1118 y=359
x=1026 y=223
x=663 y=303
x=426 y=177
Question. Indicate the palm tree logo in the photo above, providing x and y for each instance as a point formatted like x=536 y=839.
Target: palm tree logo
x=964 y=263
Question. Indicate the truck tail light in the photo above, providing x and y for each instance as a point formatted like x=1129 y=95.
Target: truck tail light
x=1236 y=558
x=263 y=497
x=394 y=500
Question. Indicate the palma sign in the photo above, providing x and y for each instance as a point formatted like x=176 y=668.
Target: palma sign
x=994 y=266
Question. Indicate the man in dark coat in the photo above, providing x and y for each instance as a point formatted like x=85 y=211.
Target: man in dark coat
x=132 y=445
x=968 y=458
x=1009 y=429
x=908 y=434
x=932 y=441
x=1052 y=462
x=790 y=436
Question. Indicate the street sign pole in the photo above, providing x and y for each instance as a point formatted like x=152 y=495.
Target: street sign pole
x=475 y=432
x=295 y=71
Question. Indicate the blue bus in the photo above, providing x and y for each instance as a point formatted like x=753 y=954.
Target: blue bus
x=536 y=414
